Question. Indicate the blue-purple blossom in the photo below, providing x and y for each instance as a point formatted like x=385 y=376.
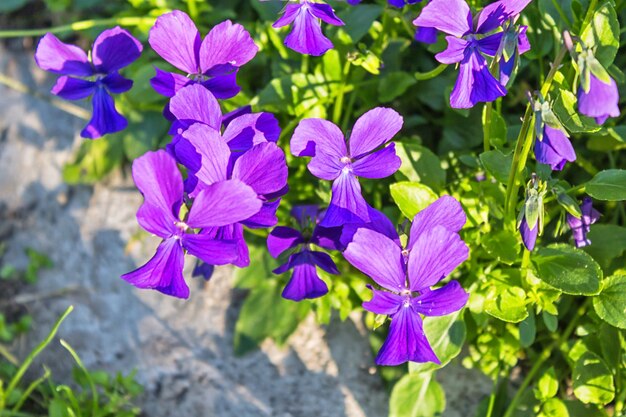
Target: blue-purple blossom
x=222 y=203
x=469 y=43
x=306 y=35
x=554 y=148
x=581 y=226
x=395 y=3
x=601 y=101
x=433 y=252
x=212 y=62
x=366 y=155
x=303 y=259
x=529 y=236
x=97 y=78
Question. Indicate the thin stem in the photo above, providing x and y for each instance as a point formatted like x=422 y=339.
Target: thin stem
x=193 y=9
x=340 y=95
x=561 y=12
x=544 y=356
x=590 y=10
x=81 y=25
x=423 y=76
x=487 y=113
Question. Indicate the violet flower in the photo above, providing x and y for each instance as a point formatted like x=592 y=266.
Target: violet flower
x=80 y=78
x=365 y=156
x=306 y=36
x=469 y=43
x=224 y=202
x=601 y=101
x=212 y=62
x=395 y=3
x=529 y=236
x=554 y=148
x=580 y=227
x=434 y=252
x=304 y=281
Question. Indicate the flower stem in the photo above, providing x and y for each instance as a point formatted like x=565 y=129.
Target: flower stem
x=81 y=25
x=338 y=108
x=487 y=113
x=423 y=76
x=544 y=356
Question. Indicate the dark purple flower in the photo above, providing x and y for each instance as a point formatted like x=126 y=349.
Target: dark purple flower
x=365 y=156
x=601 y=101
x=212 y=62
x=433 y=252
x=80 y=78
x=304 y=281
x=469 y=43
x=529 y=236
x=306 y=36
x=580 y=227
x=224 y=202
x=554 y=149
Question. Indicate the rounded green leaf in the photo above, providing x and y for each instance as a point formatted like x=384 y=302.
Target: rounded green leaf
x=593 y=381
x=609 y=185
x=411 y=197
x=554 y=407
x=568 y=269
x=417 y=395
x=610 y=304
x=602 y=34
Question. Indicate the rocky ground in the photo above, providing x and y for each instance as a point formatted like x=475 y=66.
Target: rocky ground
x=181 y=350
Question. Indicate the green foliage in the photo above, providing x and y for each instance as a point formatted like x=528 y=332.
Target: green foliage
x=417 y=395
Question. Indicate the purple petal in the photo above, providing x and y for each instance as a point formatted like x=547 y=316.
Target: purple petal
x=449 y=16
x=263 y=167
x=226 y=43
x=325 y=13
x=164 y=272
x=379 y=164
x=245 y=131
x=324 y=261
x=60 y=58
x=105 y=118
x=580 y=227
x=523 y=45
x=445 y=211
x=223 y=86
x=475 y=83
x=71 y=88
x=327 y=238
x=601 y=101
x=281 y=239
x=378 y=223
x=158 y=179
x=209 y=250
x=306 y=36
x=266 y=217
x=222 y=204
x=494 y=14
x=555 y=149
x=442 y=301
x=455 y=52
x=305 y=214
x=117 y=84
x=489 y=45
x=230 y=116
x=291 y=11
x=213 y=151
x=304 y=282
x=406 y=340
x=435 y=254
x=168 y=83
x=115 y=49
x=378 y=257
x=195 y=103
x=153 y=219
x=373 y=129
x=383 y=302
x=529 y=237
x=426 y=35
x=234 y=233
x=176 y=39
x=347 y=205
x=311 y=134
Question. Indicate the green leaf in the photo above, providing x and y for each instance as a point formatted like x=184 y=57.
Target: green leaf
x=503 y=245
x=593 y=381
x=566 y=108
x=411 y=197
x=610 y=304
x=506 y=303
x=602 y=34
x=547 y=386
x=394 y=85
x=578 y=409
x=568 y=269
x=417 y=395
x=420 y=164
x=609 y=185
x=527 y=330
x=94 y=160
x=446 y=336
x=301 y=95
x=608 y=241
x=497 y=164
x=358 y=20
x=554 y=407
x=551 y=321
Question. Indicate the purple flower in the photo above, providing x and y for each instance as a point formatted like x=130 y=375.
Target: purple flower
x=304 y=281
x=263 y=168
x=306 y=36
x=212 y=62
x=554 y=149
x=80 y=78
x=529 y=236
x=580 y=227
x=395 y=3
x=433 y=252
x=223 y=203
x=601 y=101
x=469 y=43
x=365 y=156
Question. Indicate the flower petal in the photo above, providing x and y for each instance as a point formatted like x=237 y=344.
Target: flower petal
x=223 y=86
x=115 y=49
x=194 y=103
x=475 y=83
x=289 y=15
x=378 y=257
x=324 y=261
x=435 y=254
x=379 y=164
x=347 y=205
x=555 y=149
x=601 y=101
x=105 y=118
x=455 y=52
x=373 y=129
x=327 y=238
x=266 y=217
x=529 y=236
x=168 y=83
x=318 y=134
x=213 y=151
x=495 y=14
x=245 y=131
x=325 y=13
x=442 y=301
x=445 y=211
x=176 y=39
x=60 y=58
x=383 y=302
x=154 y=220
x=304 y=282
x=164 y=272
x=306 y=36
x=283 y=238
x=71 y=88
x=209 y=250
x=117 y=84
x=226 y=43
x=263 y=168
x=449 y=16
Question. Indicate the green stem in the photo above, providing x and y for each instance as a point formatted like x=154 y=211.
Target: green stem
x=561 y=12
x=81 y=25
x=94 y=392
x=590 y=10
x=340 y=95
x=423 y=76
x=487 y=113
x=544 y=356
x=193 y=9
